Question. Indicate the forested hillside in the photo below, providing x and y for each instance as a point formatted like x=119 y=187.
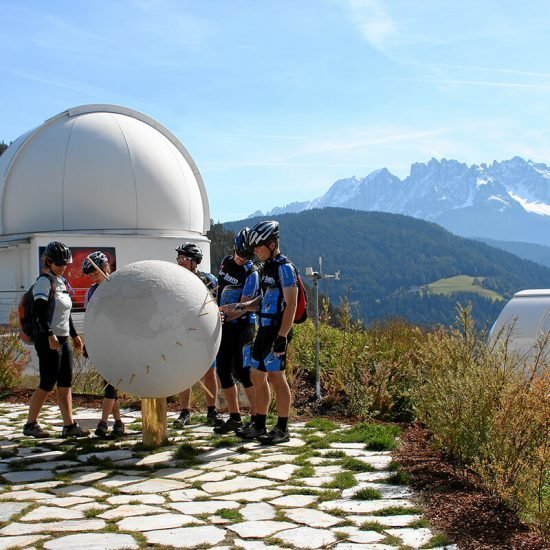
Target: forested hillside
x=386 y=259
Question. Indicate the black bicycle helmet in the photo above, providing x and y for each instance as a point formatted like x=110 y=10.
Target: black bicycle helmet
x=241 y=244
x=191 y=251
x=58 y=253
x=263 y=232
x=98 y=258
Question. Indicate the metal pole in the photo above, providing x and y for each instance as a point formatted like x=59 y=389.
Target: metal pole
x=317 y=365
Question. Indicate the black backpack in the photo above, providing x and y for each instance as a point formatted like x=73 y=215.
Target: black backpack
x=27 y=320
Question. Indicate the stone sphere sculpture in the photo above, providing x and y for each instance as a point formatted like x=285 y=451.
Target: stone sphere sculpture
x=152 y=329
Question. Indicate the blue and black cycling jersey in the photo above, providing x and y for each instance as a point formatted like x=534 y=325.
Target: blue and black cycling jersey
x=209 y=281
x=277 y=273
x=236 y=281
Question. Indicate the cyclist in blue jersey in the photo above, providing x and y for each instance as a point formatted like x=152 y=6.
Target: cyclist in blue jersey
x=238 y=281
x=276 y=306
x=190 y=257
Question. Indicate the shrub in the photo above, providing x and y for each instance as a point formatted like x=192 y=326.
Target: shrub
x=13 y=355
x=490 y=409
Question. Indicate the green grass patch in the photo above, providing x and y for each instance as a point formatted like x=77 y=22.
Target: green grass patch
x=322 y=425
x=356 y=465
x=417 y=524
x=437 y=541
x=376 y=437
x=367 y=493
x=230 y=514
x=335 y=454
x=372 y=526
x=304 y=471
x=401 y=477
x=397 y=511
x=187 y=453
x=343 y=480
x=462 y=283
x=324 y=496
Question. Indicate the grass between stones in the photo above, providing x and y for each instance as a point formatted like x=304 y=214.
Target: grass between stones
x=356 y=465
x=367 y=493
x=438 y=541
x=342 y=480
x=396 y=511
x=230 y=514
x=372 y=526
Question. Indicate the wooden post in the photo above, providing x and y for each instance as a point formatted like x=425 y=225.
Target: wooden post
x=154 y=421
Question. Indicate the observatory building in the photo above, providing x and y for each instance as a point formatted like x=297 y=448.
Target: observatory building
x=96 y=177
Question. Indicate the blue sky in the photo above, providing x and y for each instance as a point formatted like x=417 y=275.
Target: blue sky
x=277 y=99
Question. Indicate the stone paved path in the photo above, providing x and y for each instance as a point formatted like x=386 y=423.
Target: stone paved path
x=200 y=491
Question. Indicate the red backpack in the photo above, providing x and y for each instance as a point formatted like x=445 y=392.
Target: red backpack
x=301 y=305
x=27 y=321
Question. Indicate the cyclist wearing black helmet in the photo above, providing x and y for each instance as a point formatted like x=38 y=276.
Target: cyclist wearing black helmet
x=97 y=267
x=190 y=257
x=277 y=307
x=238 y=281
x=52 y=309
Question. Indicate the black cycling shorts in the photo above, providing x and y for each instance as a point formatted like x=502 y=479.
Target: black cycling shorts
x=233 y=359
x=263 y=357
x=55 y=367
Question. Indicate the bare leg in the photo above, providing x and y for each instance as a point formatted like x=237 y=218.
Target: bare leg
x=282 y=391
x=65 y=403
x=262 y=391
x=231 y=396
x=211 y=382
x=185 y=399
x=251 y=394
x=36 y=403
x=116 y=410
x=107 y=407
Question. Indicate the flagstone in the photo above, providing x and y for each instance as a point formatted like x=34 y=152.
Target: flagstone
x=178 y=473
x=87 y=477
x=258 y=511
x=35 y=456
x=319 y=481
x=365 y=537
x=127 y=510
x=312 y=518
x=203 y=506
x=158 y=521
x=364 y=506
x=156 y=458
x=120 y=480
x=236 y=484
x=217 y=520
x=80 y=491
x=253 y=545
x=307 y=537
x=242 y=467
x=345 y=446
x=114 y=455
x=25 y=495
x=66 y=525
x=259 y=529
x=251 y=496
x=10 y=509
x=51 y=465
x=93 y=541
x=21 y=541
x=143 y=498
x=186 y=495
x=154 y=485
x=294 y=501
x=412 y=537
x=213 y=476
x=38 y=485
x=187 y=537
x=91 y=506
x=275 y=457
x=279 y=473
x=353 y=546
x=372 y=476
x=28 y=476
x=46 y=513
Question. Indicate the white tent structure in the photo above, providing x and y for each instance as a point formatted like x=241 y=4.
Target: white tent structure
x=96 y=176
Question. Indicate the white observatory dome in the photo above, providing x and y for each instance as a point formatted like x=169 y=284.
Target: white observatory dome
x=101 y=168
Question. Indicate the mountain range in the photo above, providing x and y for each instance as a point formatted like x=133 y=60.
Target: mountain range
x=507 y=201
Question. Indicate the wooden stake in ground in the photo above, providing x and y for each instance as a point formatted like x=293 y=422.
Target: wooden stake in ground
x=154 y=421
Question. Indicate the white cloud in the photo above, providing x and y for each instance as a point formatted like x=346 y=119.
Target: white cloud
x=373 y=20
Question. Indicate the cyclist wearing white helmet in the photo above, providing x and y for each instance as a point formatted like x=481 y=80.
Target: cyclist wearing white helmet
x=190 y=256
x=277 y=307
x=97 y=267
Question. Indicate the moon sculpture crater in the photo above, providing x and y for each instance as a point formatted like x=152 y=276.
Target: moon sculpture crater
x=153 y=329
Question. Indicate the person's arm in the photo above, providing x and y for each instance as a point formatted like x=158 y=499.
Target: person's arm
x=290 y=295
x=77 y=341
x=236 y=310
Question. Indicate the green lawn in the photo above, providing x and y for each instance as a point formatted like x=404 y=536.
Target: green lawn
x=462 y=283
